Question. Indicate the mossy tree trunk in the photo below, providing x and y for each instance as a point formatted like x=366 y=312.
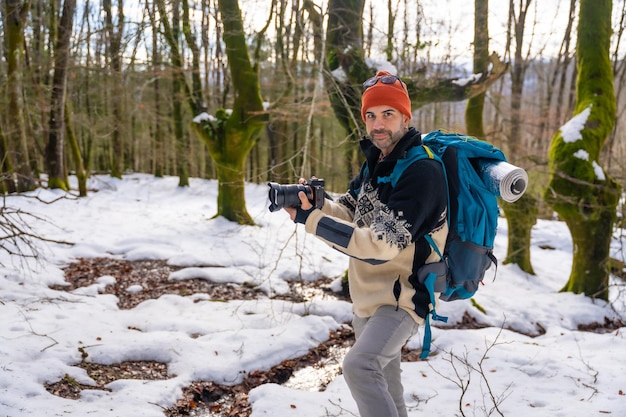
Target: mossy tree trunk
x=230 y=139
x=521 y=216
x=80 y=161
x=229 y=136
x=7 y=185
x=15 y=158
x=583 y=195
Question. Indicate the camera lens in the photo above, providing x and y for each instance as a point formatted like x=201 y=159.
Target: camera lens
x=286 y=195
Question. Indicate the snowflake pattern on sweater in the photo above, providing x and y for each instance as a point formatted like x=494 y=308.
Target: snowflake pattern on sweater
x=385 y=224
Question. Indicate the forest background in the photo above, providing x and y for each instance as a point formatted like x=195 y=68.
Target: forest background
x=127 y=115
x=267 y=91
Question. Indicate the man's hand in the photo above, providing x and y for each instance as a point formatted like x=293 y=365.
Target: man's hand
x=305 y=205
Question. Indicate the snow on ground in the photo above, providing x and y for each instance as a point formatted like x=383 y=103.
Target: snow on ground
x=531 y=360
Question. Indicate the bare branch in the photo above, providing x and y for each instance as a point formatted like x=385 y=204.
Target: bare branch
x=17 y=236
x=463 y=369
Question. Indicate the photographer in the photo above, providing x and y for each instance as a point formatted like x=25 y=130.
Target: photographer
x=381 y=228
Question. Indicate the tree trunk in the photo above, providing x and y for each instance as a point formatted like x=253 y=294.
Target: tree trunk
x=521 y=216
x=612 y=154
x=81 y=172
x=475 y=105
x=55 y=148
x=158 y=152
x=7 y=185
x=230 y=146
x=16 y=156
x=391 y=23
x=116 y=84
x=580 y=191
x=182 y=146
x=231 y=189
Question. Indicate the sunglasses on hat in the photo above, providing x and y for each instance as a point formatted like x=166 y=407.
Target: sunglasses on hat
x=385 y=79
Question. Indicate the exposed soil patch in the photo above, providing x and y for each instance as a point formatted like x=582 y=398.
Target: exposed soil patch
x=153 y=277
x=202 y=398
x=205 y=398
x=608 y=326
x=68 y=387
x=209 y=399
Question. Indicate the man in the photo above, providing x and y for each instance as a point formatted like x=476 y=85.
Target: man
x=381 y=228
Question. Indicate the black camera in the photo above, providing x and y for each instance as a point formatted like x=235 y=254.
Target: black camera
x=287 y=195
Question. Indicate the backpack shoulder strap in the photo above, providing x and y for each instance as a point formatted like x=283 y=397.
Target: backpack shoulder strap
x=413 y=154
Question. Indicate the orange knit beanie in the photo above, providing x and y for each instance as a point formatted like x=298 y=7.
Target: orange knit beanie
x=389 y=91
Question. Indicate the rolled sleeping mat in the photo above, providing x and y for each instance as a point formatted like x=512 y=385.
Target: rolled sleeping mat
x=503 y=179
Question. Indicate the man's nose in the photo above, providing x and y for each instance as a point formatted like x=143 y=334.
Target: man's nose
x=378 y=123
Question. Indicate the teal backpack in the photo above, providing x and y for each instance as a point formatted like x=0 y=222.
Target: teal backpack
x=472 y=217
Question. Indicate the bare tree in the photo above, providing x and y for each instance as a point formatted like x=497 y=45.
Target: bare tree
x=475 y=105
x=55 y=148
x=182 y=145
x=280 y=129
x=557 y=85
x=612 y=154
x=158 y=152
x=114 y=32
x=521 y=215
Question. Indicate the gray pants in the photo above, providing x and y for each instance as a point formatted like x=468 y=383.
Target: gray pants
x=372 y=366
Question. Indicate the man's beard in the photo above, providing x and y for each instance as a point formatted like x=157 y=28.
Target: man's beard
x=392 y=137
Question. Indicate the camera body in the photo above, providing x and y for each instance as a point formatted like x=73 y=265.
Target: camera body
x=287 y=195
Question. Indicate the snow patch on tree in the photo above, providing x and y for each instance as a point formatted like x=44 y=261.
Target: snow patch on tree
x=339 y=74
x=572 y=130
x=582 y=154
x=597 y=169
x=472 y=79
x=204 y=117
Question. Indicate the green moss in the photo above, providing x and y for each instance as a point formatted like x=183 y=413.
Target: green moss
x=586 y=202
x=478 y=306
x=57 y=183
